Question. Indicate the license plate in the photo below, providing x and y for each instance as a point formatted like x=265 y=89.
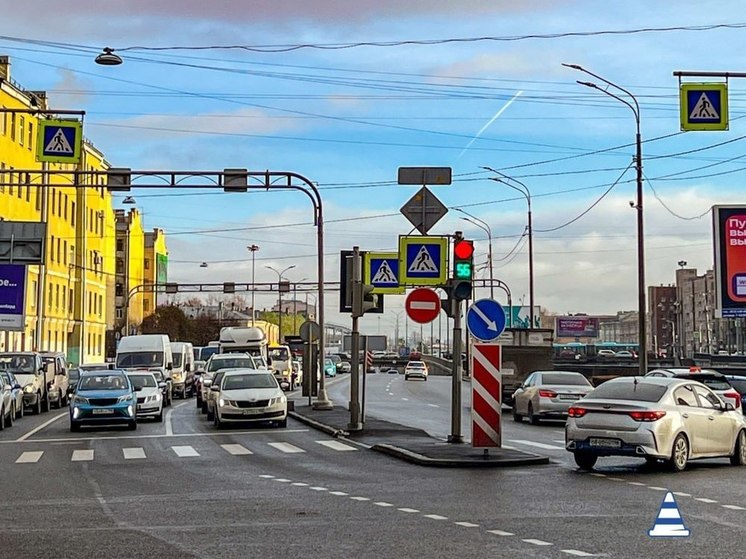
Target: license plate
x=606 y=443
x=569 y=397
x=102 y=412
x=251 y=412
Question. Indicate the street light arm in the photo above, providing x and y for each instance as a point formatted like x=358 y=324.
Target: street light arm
x=636 y=108
x=477 y=224
x=476 y=221
x=610 y=94
x=523 y=190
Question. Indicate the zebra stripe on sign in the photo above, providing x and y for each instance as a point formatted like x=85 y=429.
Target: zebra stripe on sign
x=486 y=383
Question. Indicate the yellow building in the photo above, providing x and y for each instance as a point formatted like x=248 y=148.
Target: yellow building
x=155 y=267
x=130 y=270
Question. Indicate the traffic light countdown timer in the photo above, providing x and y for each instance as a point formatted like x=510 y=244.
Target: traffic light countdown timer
x=463 y=260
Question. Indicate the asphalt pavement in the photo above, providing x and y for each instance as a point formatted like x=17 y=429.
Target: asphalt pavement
x=182 y=489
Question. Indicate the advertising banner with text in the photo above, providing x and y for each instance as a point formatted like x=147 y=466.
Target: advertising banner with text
x=576 y=327
x=729 y=233
x=12 y=297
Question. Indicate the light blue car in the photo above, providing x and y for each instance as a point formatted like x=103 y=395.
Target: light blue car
x=103 y=398
x=330 y=369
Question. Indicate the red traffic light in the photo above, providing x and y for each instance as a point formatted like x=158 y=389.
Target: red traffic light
x=463 y=250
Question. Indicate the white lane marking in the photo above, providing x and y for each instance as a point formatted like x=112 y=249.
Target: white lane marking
x=39 y=428
x=175 y=435
x=266 y=476
x=733 y=507
x=500 y=533
x=576 y=553
x=300 y=484
x=383 y=504
x=598 y=475
x=536 y=542
x=704 y=500
x=537 y=445
x=282 y=480
x=615 y=479
x=681 y=494
x=434 y=405
x=30 y=457
x=467 y=524
x=435 y=517
x=560 y=441
x=360 y=498
x=135 y=453
x=636 y=483
x=82 y=455
x=184 y=451
x=236 y=449
x=405 y=399
x=336 y=445
x=286 y=447
x=317 y=488
x=405 y=509
x=654 y=488
x=338 y=493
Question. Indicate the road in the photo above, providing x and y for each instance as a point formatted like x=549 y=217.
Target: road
x=182 y=489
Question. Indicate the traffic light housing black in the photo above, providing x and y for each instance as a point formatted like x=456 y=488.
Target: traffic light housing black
x=463 y=259
x=363 y=299
x=456 y=291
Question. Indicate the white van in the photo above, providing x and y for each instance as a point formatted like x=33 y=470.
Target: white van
x=183 y=371
x=149 y=352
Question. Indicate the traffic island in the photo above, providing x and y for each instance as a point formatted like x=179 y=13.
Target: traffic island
x=410 y=444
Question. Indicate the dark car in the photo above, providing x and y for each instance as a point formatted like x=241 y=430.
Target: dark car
x=739 y=384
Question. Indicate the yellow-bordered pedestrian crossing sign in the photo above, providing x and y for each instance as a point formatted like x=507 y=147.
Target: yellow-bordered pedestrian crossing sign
x=704 y=106
x=423 y=260
x=381 y=270
x=59 y=141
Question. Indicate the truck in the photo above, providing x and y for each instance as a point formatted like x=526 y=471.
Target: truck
x=281 y=362
x=244 y=339
x=148 y=352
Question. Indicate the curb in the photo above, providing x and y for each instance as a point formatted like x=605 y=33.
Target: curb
x=328 y=429
x=421 y=460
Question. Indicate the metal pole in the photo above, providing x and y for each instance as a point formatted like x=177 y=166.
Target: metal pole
x=530 y=264
x=279 y=295
x=253 y=249
x=41 y=279
x=354 y=405
x=643 y=353
x=365 y=378
x=455 y=436
x=322 y=401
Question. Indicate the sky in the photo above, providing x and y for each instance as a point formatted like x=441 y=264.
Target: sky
x=344 y=93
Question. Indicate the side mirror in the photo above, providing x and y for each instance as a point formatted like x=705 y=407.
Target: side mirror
x=169 y=366
x=162 y=385
x=44 y=368
x=215 y=388
x=188 y=368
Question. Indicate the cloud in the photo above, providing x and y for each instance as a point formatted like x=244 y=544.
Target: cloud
x=71 y=89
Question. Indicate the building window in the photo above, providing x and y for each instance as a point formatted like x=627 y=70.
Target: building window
x=120 y=313
x=120 y=266
x=34 y=294
x=3 y=178
x=119 y=290
x=64 y=305
x=2 y=121
x=57 y=296
x=147 y=263
x=70 y=301
x=49 y=296
x=54 y=199
x=51 y=251
x=72 y=213
x=30 y=134
x=13 y=127
x=58 y=249
x=64 y=252
x=120 y=245
x=11 y=181
x=21 y=129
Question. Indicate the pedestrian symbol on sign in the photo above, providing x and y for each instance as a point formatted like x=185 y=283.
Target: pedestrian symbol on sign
x=423 y=262
x=385 y=274
x=704 y=109
x=59 y=144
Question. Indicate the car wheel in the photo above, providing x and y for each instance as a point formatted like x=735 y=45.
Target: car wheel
x=216 y=421
x=406 y=377
x=739 y=453
x=204 y=406
x=58 y=405
x=45 y=403
x=11 y=415
x=65 y=400
x=282 y=423
x=516 y=416
x=199 y=401
x=19 y=411
x=584 y=460
x=74 y=427
x=159 y=417
x=679 y=453
x=38 y=404
x=210 y=415
x=132 y=425
x=2 y=419
x=532 y=419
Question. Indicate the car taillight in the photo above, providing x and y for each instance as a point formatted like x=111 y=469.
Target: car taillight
x=646 y=415
x=547 y=394
x=576 y=412
x=736 y=396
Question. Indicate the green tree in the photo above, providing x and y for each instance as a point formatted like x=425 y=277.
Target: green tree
x=169 y=320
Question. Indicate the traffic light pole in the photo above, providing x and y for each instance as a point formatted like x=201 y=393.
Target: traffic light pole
x=354 y=405
x=455 y=436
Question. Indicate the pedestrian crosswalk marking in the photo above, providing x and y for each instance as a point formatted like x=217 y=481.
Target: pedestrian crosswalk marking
x=423 y=262
x=184 y=451
x=133 y=453
x=82 y=455
x=703 y=109
x=59 y=144
x=30 y=457
x=286 y=447
x=336 y=445
x=385 y=275
x=236 y=449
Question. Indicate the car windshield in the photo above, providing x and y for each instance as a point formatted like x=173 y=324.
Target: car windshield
x=73 y=374
x=103 y=382
x=278 y=353
x=416 y=365
x=241 y=382
x=231 y=363
x=713 y=383
x=328 y=363
x=571 y=379
x=142 y=381
x=335 y=359
x=17 y=363
x=140 y=359
x=178 y=358
x=208 y=352
x=738 y=384
x=640 y=391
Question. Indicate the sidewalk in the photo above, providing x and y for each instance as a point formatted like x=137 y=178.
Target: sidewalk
x=409 y=444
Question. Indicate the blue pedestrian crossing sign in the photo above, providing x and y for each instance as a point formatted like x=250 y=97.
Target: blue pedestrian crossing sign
x=423 y=260
x=704 y=106
x=485 y=319
x=381 y=270
x=59 y=141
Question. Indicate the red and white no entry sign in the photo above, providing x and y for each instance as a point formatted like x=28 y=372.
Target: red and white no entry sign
x=423 y=305
x=486 y=396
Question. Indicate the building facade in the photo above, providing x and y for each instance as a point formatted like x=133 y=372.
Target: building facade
x=155 y=267
x=662 y=312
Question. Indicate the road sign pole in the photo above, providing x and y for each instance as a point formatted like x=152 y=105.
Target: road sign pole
x=365 y=378
x=355 y=422
x=455 y=436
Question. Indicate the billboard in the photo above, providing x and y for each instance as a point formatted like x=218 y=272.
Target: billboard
x=161 y=268
x=729 y=233
x=518 y=317
x=12 y=297
x=576 y=327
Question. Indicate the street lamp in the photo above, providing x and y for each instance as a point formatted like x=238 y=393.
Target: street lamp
x=484 y=226
x=635 y=108
x=526 y=193
x=279 y=293
x=253 y=249
x=108 y=58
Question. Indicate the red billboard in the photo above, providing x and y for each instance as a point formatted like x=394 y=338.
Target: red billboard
x=729 y=232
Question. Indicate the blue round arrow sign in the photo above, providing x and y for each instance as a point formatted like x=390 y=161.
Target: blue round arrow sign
x=485 y=319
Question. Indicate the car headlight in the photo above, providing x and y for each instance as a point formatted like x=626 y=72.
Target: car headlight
x=177 y=376
x=223 y=402
x=278 y=400
x=28 y=389
x=77 y=400
x=125 y=398
x=154 y=398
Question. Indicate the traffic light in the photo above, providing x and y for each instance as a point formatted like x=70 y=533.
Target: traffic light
x=456 y=291
x=363 y=300
x=463 y=259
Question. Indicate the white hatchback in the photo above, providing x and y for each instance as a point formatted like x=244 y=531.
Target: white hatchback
x=416 y=369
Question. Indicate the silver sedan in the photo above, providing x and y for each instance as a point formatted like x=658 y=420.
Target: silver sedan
x=669 y=419
x=548 y=395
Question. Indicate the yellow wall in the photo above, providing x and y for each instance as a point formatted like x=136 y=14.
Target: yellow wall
x=155 y=244
x=130 y=264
